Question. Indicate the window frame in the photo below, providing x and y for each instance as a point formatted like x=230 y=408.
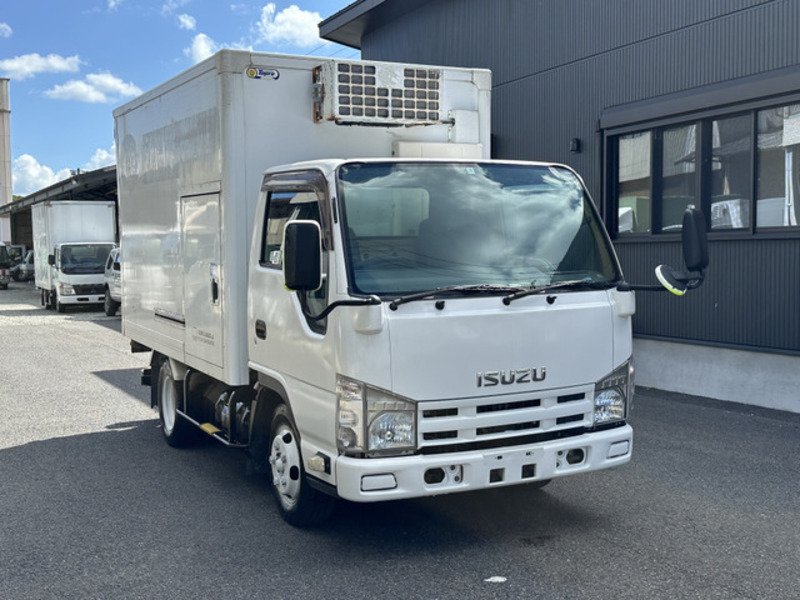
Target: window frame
x=703 y=119
x=313 y=181
x=293 y=182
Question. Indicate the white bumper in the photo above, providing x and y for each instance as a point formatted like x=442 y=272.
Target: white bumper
x=371 y=480
x=82 y=299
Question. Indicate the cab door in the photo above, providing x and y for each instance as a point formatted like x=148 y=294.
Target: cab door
x=283 y=339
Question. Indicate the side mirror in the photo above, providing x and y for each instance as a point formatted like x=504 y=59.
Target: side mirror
x=695 y=240
x=695 y=256
x=51 y=260
x=302 y=256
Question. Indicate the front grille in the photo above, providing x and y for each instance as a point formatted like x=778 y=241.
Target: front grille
x=89 y=289
x=495 y=422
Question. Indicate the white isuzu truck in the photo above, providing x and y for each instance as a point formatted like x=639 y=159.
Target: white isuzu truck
x=331 y=273
x=71 y=242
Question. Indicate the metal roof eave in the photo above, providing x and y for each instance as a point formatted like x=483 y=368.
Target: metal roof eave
x=349 y=25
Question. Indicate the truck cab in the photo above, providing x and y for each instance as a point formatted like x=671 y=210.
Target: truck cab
x=464 y=330
x=78 y=273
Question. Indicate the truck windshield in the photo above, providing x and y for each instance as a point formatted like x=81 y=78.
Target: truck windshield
x=84 y=259
x=413 y=227
x=5 y=261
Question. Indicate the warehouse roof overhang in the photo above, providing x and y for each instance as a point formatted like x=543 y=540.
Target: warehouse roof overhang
x=349 y=25
x=100 y=184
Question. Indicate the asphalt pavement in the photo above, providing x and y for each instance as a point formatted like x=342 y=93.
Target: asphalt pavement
x=94 y=504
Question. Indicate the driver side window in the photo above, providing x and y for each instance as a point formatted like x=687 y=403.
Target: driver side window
x=283 y=207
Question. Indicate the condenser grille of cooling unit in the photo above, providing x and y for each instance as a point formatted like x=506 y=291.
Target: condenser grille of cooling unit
x=386 y=94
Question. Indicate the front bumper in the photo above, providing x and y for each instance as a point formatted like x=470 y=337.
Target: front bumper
x=82 y=299
x=372 y=480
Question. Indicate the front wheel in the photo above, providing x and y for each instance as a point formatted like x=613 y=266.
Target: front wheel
x=169 y=396
x=109 y=306
x=299 y=503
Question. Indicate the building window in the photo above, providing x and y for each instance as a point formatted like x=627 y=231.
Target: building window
x=634 y=182
x=743 y=170
x=778 y=166
x=679 y=155
x=731 y=168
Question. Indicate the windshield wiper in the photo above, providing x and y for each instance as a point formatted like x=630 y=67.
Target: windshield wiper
x=561 y=285
x=484 y=288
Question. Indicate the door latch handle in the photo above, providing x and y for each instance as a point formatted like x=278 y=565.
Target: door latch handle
x=261 y=329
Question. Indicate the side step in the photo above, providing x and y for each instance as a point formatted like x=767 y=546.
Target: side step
x=213 y=431
x=210 y=428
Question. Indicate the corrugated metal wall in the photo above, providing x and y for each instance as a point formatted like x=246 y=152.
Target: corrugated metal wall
x=558 y=64
x=749 y=299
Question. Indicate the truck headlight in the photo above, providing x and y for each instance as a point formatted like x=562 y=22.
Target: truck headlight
x=613 y=395
x=65 y=289
x=372 y=421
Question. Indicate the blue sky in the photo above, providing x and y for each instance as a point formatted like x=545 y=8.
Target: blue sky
x=71 y=63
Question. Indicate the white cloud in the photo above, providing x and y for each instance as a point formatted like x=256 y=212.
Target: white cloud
x=28 y=176
x=5 y=30
x=202 y=47
x=291 y=26
x=114 y=4
x=171 y=6
x=187 y=22
x=95 y=88
x=101 y=158
x=30 y=65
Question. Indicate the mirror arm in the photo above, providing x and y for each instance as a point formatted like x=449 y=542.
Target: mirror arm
x=371 y=301
x=638 y=287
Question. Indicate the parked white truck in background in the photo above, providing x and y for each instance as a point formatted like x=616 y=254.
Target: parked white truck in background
x=5 y=267
x=71 y=242
x=415 y=321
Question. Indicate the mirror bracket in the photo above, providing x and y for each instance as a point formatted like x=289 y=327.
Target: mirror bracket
x=371 y=301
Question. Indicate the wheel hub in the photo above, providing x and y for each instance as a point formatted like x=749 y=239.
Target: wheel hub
x=284 y=460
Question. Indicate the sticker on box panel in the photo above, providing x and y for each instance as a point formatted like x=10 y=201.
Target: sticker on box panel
x=259 y=73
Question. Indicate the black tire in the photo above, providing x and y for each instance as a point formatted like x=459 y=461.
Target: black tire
x=300 y=505
x=168 y=394
x=60 y=307
x=109 y=306
x=17 y=275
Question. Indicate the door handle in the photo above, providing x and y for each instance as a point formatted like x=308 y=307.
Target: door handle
x=261 y=329
x=214 y=292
